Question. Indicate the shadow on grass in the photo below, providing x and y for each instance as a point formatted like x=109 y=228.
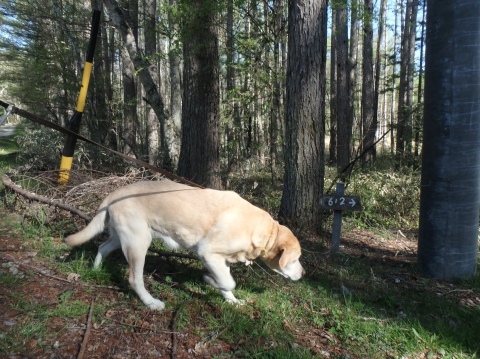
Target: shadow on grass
x=386 y=283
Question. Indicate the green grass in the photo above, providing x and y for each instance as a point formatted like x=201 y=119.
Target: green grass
x=376 y=320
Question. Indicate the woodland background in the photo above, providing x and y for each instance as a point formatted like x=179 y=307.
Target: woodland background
x=212 y=90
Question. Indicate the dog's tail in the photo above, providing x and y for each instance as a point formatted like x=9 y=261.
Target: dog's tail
x=95 y=227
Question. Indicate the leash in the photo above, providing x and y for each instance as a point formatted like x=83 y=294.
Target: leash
x=30 y=116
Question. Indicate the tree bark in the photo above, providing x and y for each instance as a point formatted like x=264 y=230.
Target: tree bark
x=405 y=90
x=174 y=59
x=130 y=118
x=333 y=92
x=142 y=66
x=368 y=125
x=200 y=152
x=378 y=68
x=344 y=119
x=305 y=116
x=153 y=130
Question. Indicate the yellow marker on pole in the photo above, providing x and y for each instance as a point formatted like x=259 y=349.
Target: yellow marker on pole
x=74 y=123
x=87 y=70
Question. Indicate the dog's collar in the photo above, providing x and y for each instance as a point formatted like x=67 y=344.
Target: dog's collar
x=273 y=234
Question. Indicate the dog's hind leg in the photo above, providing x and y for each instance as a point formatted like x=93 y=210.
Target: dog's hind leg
x=135 y=249
x=219 y=277
x=106 y=248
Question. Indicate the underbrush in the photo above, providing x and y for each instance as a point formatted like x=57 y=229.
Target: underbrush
x=390 y=199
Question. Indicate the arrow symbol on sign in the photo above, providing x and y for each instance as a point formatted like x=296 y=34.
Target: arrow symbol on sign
x=352 y=202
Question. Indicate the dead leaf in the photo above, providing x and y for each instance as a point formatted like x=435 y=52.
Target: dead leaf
x=73 y=277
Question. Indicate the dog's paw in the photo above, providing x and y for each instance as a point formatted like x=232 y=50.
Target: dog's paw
x=231 y=299
x=237 y=302
x=155 y=304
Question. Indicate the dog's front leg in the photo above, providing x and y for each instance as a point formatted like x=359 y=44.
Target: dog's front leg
x=219 y=277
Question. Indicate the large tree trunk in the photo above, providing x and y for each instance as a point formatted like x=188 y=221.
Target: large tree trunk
x=130 y=119
x=233 y=133
x=353 y=60
x=344 y=118
x=153 y=129
x=199 y=155
x=305 y=116
x=332 y=149
x=174 y=126
x=368 y=125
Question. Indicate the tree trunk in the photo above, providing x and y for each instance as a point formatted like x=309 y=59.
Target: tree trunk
x=153 y=130
x=333 y=92
x=175 y=123
x=378 y=68
x=405 y=90
x=130 y=120
x=368 y=125
x=275 y=115
x=142 y=66
x=353 y=62
x=419 y=112
x=305 y=116
x=344 y=119
x=199 y=155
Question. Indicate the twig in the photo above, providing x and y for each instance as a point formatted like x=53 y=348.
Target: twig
x=44 y=273
x=216 y=335
x=36 y=197
x=38 y=270
x=83 y=346
x=456 y=290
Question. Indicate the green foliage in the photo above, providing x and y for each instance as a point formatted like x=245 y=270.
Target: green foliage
x=390 y=199
x=8 y=148
x=41 y=148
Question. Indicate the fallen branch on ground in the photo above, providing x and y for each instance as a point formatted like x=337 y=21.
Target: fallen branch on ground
x=83 y=346
x=39 y=198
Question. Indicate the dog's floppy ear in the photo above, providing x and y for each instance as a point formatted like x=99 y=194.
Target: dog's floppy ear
x=285 y=257
x=287 y=248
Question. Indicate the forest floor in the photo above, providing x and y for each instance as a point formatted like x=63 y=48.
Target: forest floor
x=368 y=301
x=126 y=330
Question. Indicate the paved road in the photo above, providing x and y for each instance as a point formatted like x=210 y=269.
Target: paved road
x=7 y=130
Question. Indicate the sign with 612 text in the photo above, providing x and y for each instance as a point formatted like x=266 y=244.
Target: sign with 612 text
x=341 y=203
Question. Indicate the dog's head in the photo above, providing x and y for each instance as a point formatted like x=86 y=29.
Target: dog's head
x=284 y=257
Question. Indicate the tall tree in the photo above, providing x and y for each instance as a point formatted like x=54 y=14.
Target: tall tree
x=305 y=116
x=344 y=113
x=130 y=118
x=140 y=63
x=174 y=61
x=276 y=109
x=332 y=149
x=200 y=152
x=378 y=67
x=405 y=89
x=153 y=129
x=368 y=125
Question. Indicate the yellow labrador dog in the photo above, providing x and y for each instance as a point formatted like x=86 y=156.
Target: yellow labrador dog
x=219 y=226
